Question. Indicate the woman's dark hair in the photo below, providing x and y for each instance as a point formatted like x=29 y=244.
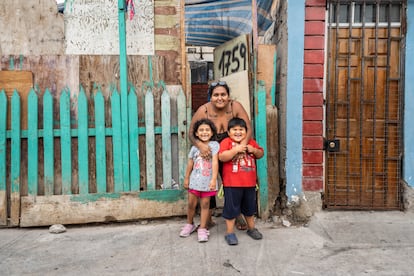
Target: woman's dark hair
x=213 y=86
x=236 y=121
x=208 y=122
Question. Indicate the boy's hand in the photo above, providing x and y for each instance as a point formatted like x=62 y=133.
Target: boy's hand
x=240 y=148
x=250 y=149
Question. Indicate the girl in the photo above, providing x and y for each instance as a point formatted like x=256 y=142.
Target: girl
x=201 y=178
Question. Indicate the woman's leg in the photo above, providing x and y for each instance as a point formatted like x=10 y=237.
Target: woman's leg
x=241 y=223
x=212 y=207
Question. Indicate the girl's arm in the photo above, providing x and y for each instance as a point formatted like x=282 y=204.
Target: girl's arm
x=188 y=171
x=214 y=172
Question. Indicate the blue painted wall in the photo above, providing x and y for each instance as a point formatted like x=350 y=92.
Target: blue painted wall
x=294 y=97
x=408 y=160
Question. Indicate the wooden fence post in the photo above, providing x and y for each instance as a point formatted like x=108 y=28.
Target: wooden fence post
x=65 y=143
x=182 y=134
x=134 y=169
x=100 y=145
x=261 y=138
x=166 y=139
x=117 y=142
x=3 y=147
x=32 y=140
x=83 y=143
x=48 y=143
x=15 y=160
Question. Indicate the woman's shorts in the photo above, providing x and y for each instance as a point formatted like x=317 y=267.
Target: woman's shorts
x=239 y=200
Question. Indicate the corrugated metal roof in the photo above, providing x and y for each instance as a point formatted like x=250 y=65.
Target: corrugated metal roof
x=211 y=23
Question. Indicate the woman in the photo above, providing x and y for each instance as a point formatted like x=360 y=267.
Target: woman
x=220 y=109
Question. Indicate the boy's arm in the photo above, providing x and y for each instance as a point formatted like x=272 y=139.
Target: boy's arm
x=228 y=155
x=256 y=151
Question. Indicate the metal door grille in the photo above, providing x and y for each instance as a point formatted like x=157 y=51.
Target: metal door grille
x=364 y=104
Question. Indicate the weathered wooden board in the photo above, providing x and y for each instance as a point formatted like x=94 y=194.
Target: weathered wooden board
x=22 y=81
x=266 y=67
x=272 y=152
x=231 y=57
x=104 y=72
x=72 y=209
x=239 y=88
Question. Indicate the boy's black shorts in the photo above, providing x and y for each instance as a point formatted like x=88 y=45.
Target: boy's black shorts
x=239 y=200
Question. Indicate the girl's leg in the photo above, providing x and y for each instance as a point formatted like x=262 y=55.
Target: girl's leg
x=204 y=213
x=192 y=203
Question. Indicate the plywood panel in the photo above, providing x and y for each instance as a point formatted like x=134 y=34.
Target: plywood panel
x=266 y=67
x=239 y=89
x=98 y=20
x=22 y=81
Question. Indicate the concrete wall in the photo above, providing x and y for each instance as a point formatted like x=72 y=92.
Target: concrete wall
x=408 y=156
x=294 y=99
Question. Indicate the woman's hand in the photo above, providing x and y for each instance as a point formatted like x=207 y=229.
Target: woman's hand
x=205 y=151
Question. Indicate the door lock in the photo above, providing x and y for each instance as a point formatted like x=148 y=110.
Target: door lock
x=332 y=145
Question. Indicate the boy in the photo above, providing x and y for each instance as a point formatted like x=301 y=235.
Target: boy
x=239 y=179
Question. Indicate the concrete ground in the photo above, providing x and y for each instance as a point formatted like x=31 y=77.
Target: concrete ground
x=332 y=243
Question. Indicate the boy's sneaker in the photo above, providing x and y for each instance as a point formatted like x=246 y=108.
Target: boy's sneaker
x=254 y=234
x=202 y=234
x=187 y=230
x=231 y=239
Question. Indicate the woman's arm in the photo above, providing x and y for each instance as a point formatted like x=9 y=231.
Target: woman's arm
x=239 y=111
x=205 y=151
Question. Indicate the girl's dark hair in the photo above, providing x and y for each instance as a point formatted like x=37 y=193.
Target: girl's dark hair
x=208 y=122
x=213 y=86
x=236 y=121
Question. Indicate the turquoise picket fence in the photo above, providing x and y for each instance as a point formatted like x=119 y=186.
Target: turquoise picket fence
x=44 y=144
x=70 y=167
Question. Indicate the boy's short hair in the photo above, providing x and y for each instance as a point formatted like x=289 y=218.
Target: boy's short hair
x=236 y=121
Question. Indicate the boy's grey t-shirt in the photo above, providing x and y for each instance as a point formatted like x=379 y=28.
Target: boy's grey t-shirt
x=202 y=169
